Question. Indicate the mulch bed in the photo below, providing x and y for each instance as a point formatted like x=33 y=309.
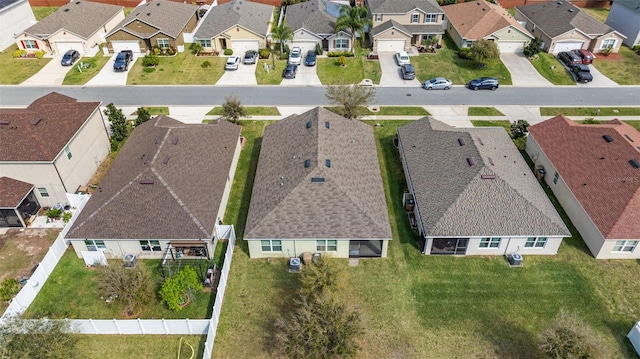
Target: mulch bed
x=610 y=57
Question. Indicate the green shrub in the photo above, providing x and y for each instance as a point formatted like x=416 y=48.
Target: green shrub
x=19 y=53
x=607 y=51
x=8 y=289
x=318 y=49
x=342 y=61
x=66 y=217
x=228 y=52
x=150 y=60
x=206 y=64
x=53 y=213
x=533 y=47
x=340 y=53
x=149 y=69
x=465 y=53
x=175 y=288
x=40 y=54
x=264 y=53
x=196 y=47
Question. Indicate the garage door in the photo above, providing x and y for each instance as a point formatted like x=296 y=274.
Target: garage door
x=567 y=46
x=63 y=47
x=390 y=45
x=305 y=46
x=511 y=46
x=125 y=45
x=241 y=46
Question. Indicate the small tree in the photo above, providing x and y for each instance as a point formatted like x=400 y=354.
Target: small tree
x=356 y=19
x=319 y=280
x=151 y=60
x=483 y=51
x=569 y=337
x=281 y=34
x=196 y=47
x=143 y=116
x=36 y=338
x=533 y=47
x=232 y=109
x=118 y=122
x=175 y=289
x=352 y=99
x=519 y=129
x=131 y=286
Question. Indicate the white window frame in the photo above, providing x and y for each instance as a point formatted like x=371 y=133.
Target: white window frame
x=605 y=42
x=339 y=44
x=377 y=17
x=150 y=246
x=94 y=245
x=161 y=43
x=67 y=151
x=536 y=242
x=30 y=44
x=43 y=192
x=327 y=245
x=271 y=245
x=430 y=18
x=415 y=18
x=490 y=242
x=627 y=246
x=204 y=42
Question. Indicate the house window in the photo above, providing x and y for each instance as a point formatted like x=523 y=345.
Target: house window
x=625 y=246
x=536 y=242
x=150 y=246
x=430 y=18
x=378 y=17
x=327 y=245
x=555 y=178
x=341 y=44
x=608 y=43
x=427 y=37
x=94 y=245
x=271 y=245
x=67 y=152
x=490 y=242
x=162 y=43
x=205 y=43
x=43 y=192
x=415 y=18
x=468 y=43
x=30 y=44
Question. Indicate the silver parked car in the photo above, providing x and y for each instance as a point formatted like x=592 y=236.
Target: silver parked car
x=438 y=83
x=232 y=63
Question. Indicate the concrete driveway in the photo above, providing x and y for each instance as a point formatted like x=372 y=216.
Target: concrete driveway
x=391 y=74
x=306 y=76
x=599 y=79
x=244 y=75
x=52 y=74
x=523 y=74
x=108 y=77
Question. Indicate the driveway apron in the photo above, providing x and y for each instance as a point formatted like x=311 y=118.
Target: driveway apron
x=523 y=74
x=244 y=75
x=52 y=74
x=391 y=73
x=306 y=76
x=108 y=77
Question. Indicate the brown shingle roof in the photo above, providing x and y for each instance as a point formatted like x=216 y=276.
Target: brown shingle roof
x=556 y=18
x=60 y=118
x=82 y=18
x=349 y=203
x=478 y=19
x=12 y=192
x=597 y=172
x=183 y=201
x=169 y=17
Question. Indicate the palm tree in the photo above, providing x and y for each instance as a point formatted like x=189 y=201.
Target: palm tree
x=354 y=18
x=281 y=34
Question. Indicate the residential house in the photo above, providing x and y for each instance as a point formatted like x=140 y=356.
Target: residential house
x=318 y=188
x=624 y=17
x=476 y=20
x=313 y=23
x=55 y=144
x=164 y=193
x=15 y=16
x=594 y=172
x=400 y=24
x=79 y=25
x=237 y=25
x=562 y=26
x=474 y=194
x=18 y=202
x=159 y=23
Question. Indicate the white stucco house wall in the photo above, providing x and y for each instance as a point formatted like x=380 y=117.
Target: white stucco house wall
x=624 y=17
x=15 y=16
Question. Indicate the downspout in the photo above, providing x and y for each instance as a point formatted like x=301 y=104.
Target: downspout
x=60 y=177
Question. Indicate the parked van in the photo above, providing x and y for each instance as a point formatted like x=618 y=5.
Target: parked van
x=569 y=58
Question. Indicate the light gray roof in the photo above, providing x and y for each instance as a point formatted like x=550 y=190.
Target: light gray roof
x=169 y=17
x=403 y=6
x=388 y=25
x=349 y=204
x=311 y=16
x=454 y=199
x=250 y=15
x=82 y=18
x=184 y=199
x=557 y=18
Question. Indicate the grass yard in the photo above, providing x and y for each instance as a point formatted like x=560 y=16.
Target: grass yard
x=40 y=12
x=599 y=13
x=96 y=63
x=182 y=69
x=390 y=111
x=446 y=63
x=154 y=111
x=139 y=346
x=417 y=306
x=251 y=111
x=358 y=68
x=551 y=69
x=15 y=71
x=71 y=292
x=273 y=77
x=498 y=123
x=624 y=71
x=484 y=111
x=590 y=111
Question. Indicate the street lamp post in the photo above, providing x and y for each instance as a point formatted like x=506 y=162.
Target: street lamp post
x=273 y=57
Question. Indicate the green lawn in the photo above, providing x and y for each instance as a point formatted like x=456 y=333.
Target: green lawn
x=96 y=63
x=357 y=69
x=182 y=69
x=625 y=71
x=251 y=111
x=599 y=13
x=416 y=306
x=272 y=77
x=390 y=111
x=154 y=111
x=590 y=111
x=40 y=12
x=15 y=71
x=139 y=346
x=446 y=63
x=484 y=111
x=551 y=69
x=71 y=292
x=498 y=123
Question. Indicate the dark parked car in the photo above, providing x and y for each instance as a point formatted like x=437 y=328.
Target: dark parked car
x=250 y=57
x=582 y=73
x=490 y=83
x=290 y=71
x=407 y=72
x=122 y=60
x=310 y=59
x=585 y=55
x=569 y=58
x=70 y=57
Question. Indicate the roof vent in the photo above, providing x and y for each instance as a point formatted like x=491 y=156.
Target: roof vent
x=328 y=163
x=461 y=141
x=470 y=161
x=157 y=140
x=148 y=14
x=77 y=2
x=309 y=124
x=608 y=138
x=4 y=122
x=317 y=179
x=559 y=3
x=488 y=176
x=570 y=10
x=483 y=9
x=634 y=163
x=147 y=181
x=145 y=159
x=628 y=138
x=37 y=120
x=66 y=10
x=165 y=160
x=480 y=141
x=327 y=124
x=158 y=4
x=491 y=161
x=307 y=163
x=175 y=141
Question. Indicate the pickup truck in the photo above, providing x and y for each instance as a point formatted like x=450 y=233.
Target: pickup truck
x=122 y=60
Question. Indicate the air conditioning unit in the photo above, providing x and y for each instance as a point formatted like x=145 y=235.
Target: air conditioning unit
x=515 y=260
x=130 y=260
x=295 y=264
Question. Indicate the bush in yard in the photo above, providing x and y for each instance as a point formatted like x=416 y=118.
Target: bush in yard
x=36 y=338
x=118 y=122
x=143 y=116
x=340 y=53
x=131 y=286
x=264 y=53
x=318 y=49
x=533 y=47
x=228 y=52
x=19 y=53
x=40 y=54
x=232 y=109
x=352 y=99
x=8 y=289
x=150 y=60
x=175 y=288
x=519 y=129
x=66 y=217
x=206 y=64
x=483 y=51
x=607 y=51
x=342 y=61
x=569 y=337
x=464 y=53
x=446 y=2
x=196 y=47
x=53 y=213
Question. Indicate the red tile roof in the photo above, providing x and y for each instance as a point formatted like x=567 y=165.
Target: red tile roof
x=599 y=173
x=24 y=138
x=12 y=192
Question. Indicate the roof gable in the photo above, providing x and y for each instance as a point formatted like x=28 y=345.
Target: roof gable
x=252 y=16
x=310 y=16
x=388 y=25
x=479 y=19
x=403 y=6
x=12 y=192
x=557 y=18
x=168 y=17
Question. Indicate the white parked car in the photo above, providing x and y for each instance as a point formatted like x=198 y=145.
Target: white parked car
x=402 y=58
x=232 y=63
x=295 y=56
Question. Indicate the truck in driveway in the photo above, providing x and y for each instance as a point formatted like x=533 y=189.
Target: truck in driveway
x=122 y=60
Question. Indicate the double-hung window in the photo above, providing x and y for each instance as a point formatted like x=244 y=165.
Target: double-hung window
x=429 y=18
x=43 y=192
x=625 y=246
x=555 y=178
x=67 y=151
x=150 y=246
x=535 y=242
x=327 y=245
x=205 y=43
x=342 y=43
x=415 y=18
x=608 y=43
x=30 y=44
x=490 y=242
x=162 y=43
x=94 y=245
x=271 y=245
x=378 y=17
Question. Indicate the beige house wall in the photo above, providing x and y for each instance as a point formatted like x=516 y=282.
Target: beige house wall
x=405 y=19
x=596 y=44
x=509 y=33
x=41 y=175
x=121 y=35
x=455 y=36
x=295 y=248
x=42 y=45
x=117 y=249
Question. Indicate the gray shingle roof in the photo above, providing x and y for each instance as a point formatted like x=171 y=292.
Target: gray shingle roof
x=250 y=15
x=455 y=200
x=350 y=203
x=556 y=19
x=403 y=6
x=311 y=16
x=82 y=18
x=183 y=201
x=388 y=25
x=168 y=17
